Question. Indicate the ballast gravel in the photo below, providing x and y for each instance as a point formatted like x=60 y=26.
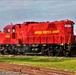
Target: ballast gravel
x=4 y=72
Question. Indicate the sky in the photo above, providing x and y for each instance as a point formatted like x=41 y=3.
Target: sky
x=19 y=11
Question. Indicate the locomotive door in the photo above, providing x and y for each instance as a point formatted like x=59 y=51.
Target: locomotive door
x=13 y=33
x=7 y=36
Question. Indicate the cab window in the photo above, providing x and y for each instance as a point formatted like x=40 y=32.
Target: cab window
x=13 y=30
x=7 y=31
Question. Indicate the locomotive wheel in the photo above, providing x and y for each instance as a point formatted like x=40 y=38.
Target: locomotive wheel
x=16 y=51
x=43 y=50
x=11 y=51
x=55 y=51
x=66 y=53
x=5 y=52
x=50 y=52
x=59 y=51
x=22 y=51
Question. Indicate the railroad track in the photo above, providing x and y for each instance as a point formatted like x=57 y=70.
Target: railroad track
x=30 y=70
x=35 y=54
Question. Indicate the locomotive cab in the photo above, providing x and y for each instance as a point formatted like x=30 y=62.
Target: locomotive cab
x=9 y=31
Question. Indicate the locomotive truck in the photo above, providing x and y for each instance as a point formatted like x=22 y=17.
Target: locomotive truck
x=50 y=38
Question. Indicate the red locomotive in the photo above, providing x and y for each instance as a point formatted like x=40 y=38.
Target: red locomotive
x=50 y=38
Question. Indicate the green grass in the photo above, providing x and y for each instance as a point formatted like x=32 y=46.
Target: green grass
x=47 y=62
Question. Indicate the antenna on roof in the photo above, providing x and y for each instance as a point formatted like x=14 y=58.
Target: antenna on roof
x=11 y=24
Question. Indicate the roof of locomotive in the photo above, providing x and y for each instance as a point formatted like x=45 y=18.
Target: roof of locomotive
x=27 y=23
x=8 y=26
x=63 y=21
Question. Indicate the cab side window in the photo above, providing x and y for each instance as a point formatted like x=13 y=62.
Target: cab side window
x=7 y=31
x=13 y=30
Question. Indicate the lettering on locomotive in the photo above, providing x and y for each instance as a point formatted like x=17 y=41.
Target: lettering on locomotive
x=46 y=32
x=7 y=36
x=55 y=31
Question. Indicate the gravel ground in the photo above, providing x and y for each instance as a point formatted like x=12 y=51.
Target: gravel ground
x=3 y=72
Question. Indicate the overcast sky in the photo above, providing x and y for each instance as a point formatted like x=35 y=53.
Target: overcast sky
x=18 y=11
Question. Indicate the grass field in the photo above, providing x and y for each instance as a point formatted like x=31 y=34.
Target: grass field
x=68 y=64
